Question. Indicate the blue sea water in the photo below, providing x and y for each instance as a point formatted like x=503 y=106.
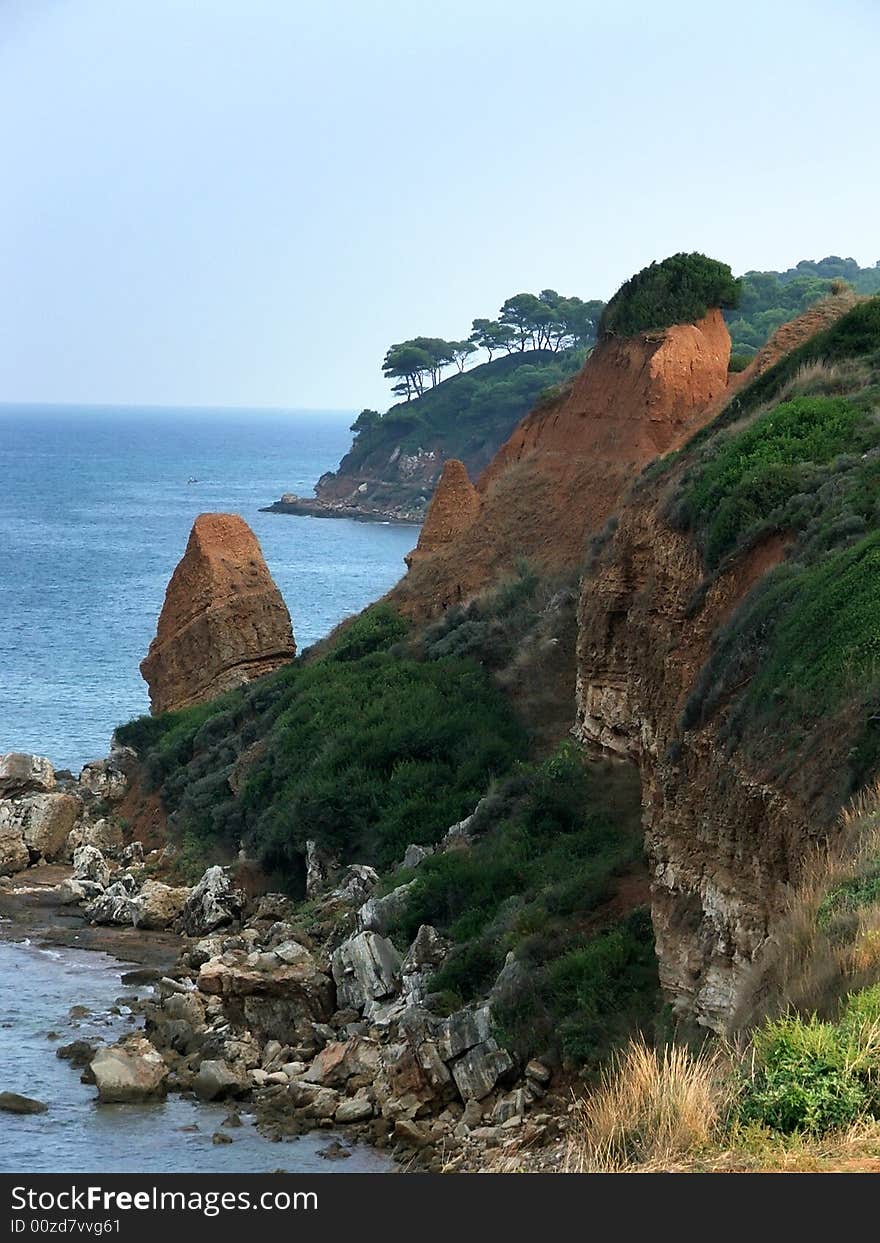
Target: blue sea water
x=76 y=1134
x=95 y=511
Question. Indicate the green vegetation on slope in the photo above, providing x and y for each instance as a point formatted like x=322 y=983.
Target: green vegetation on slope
x=680 y=290
x=383 y=737
x=752 y=476
x=469 y=415
x=547 y=861
x=805 y=643
x=770 y=299
x=813 y=1076
x=363 y=751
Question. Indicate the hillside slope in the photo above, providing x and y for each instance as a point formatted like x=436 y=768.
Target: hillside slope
x=728 y=640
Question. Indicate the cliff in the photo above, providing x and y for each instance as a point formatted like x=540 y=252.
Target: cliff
x=223 y=621
x=726 y=631
x=563 y=471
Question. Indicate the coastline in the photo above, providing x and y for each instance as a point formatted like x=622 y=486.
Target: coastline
x=30 y=906
x=31 y=914
x=313 y=507
x=444 y=1139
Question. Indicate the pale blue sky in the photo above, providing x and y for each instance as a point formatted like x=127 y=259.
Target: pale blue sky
x=244 y=202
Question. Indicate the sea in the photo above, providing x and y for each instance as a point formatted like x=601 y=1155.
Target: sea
x=61 y=995
x=96 y=505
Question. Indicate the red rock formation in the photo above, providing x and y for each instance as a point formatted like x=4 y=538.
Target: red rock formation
x=223 y=621
x=564 y=470
x=454 y=508
x=723 y=841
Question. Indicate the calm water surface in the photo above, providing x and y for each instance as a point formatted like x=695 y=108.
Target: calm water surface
x=95 y=511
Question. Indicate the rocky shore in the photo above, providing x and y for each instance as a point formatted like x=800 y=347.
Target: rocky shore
x=305 y=1013
x=350 y=507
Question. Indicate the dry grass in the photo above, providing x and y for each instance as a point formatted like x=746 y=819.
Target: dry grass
x=651 y=1109
x=814 y=961
x=822 y=378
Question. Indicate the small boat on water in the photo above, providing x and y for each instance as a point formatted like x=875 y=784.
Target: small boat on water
x=192 y=479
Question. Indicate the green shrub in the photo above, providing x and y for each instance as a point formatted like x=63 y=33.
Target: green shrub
x=680 y=290
x=602 y=991
x=813 y=1076
x=374 y=630
x=848 y=897
x=364 y=753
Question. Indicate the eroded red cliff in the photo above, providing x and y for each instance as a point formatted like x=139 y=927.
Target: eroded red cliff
x=565 y=468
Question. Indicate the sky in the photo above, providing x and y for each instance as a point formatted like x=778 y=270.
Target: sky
x=245 y=202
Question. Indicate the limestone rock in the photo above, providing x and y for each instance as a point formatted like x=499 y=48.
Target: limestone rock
x=366 y=968
x=211 y=904
x=106 y=779
x=462 y=1030
x=357 y=883
x=318 y=867
x=415 y=855
x=537 y=1071
x=12 y=1103
x=379 y=914
x=339 y=1060
x=71 y=891
x=25 y=774
x=114 y=906
x=427 y=950
x=104 y=835
x=223 y=622
x=424 y=956
x=158 y=905
x=274 y=999
x=47 y=820
x=89 y=864
x=132 y=1070
x=355 y=1109
x=14 y=854
x=477 y=1071
x=217 y=1080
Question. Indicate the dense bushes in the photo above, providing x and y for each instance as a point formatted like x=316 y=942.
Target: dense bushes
x=814 y=1076
x=680 y=290
x=362 y=751
x=535 y=883
x=491 y=627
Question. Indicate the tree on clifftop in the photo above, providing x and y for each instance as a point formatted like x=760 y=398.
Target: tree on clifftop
x=490 y=336
x=526 y=321
x=680 y=290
